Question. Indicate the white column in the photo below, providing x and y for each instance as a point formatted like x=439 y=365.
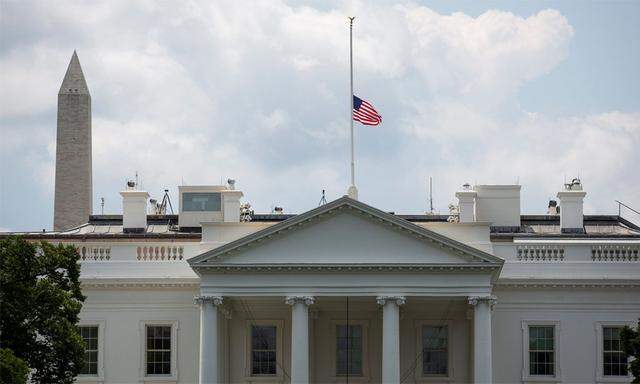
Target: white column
x=482 y=368
x=391 y=337
x=299 y=337
x=209 y=370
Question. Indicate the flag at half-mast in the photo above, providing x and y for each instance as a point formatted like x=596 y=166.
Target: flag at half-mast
x=364 y=112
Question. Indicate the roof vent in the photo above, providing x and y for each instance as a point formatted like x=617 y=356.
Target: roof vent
x=553 y=208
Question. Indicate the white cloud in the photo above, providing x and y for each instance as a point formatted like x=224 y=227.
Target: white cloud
x=210 y=90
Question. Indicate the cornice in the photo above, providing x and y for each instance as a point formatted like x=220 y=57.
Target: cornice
x=567 y=284
x=96 y=284
x=267 y=268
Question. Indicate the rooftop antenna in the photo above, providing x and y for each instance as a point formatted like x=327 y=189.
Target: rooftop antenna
x=430 y=195
x=137 y=183
x=102 y=205
x=323 y=199
x=166 y=200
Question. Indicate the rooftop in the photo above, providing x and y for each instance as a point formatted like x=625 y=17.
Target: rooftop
x=166 y=226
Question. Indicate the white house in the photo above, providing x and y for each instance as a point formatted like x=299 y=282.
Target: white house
x=347 y=293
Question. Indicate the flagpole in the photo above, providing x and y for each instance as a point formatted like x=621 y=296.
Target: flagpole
x=352 y=191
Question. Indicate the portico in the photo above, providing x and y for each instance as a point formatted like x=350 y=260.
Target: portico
x=389 y=282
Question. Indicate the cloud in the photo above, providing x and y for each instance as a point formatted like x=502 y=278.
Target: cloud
x=210 y=90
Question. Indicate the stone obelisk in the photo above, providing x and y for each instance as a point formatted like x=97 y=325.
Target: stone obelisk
x=74 y=190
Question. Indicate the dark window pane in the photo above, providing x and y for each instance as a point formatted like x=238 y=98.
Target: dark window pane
x=201 y=201
x=263 y=345
x=349 y=350
x=89 y=336
x=158 y=350
x=615 y=361
x=434 y=350
x=542 y=350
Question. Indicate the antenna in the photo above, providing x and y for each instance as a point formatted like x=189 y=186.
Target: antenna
x=431 y=194
x=102 y=205
x=323 y=200
x=137 y=183
x=166 y=200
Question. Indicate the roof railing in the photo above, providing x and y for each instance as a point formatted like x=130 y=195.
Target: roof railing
x=621 y=204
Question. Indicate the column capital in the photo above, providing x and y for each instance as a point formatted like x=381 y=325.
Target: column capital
x=215 y=300
x=306 y=300
x=398 y=300
x=491 y=300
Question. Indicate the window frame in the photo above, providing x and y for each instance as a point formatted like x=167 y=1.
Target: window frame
x=279 y=376
x=600 y=377
x=366 y=375
x=557 y=374
x=99 y=377
x=173 y=376
x=420 y=377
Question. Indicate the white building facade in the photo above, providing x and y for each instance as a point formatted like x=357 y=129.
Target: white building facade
x=347 y=293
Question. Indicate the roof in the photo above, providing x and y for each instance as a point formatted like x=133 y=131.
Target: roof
x=295 y=222
x=166 y=226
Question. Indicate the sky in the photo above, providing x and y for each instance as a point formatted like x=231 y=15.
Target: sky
x=195 y=92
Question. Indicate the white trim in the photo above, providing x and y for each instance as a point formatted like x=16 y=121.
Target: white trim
x=99 y=378
x=578 y=241
x=599 y=372
x=528 y=378
x=419 y=376
x=279 y=376
x=142 y=370
x=366 y=373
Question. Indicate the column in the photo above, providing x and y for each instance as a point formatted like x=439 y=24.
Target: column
x=391 y=337
x=208 y=365
x=299 y=337
x=482 y=368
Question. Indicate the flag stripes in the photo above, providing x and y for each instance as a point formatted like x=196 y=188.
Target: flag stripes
x=364 y=112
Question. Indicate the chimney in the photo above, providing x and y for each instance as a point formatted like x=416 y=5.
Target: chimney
x=466 y=204
x=134 y=209
x=571 y=204
x=231 y=204
x=499 y=205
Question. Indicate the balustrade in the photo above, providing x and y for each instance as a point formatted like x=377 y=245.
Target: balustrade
x=614 y=252
x=540 y=252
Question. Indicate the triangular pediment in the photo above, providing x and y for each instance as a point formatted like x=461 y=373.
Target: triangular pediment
x=345 y=232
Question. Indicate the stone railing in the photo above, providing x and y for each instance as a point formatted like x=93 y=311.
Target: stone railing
x=130 y=252
x=94 y=252
x=160 y=252
x=613 y=252
x=540 y=252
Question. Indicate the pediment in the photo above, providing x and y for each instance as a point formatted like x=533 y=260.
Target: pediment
x=345 y=232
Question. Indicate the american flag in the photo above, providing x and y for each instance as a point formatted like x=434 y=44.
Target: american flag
x=364 y=112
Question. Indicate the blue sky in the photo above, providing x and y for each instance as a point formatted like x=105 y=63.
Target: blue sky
x=486 y=92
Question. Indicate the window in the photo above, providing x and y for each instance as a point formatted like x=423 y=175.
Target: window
x=89 y=335
x=158 y=350
x=201 y=202
x=613 y=359
x=349 y=350
x=541 y=350
x=435 y=350
x=264 y=349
